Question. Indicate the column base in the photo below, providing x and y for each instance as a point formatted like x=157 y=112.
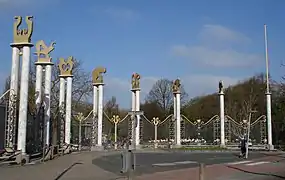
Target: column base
x=223 y=146
x=97 y=148
x=176 y=146
x=269 y=147
x=139 y=146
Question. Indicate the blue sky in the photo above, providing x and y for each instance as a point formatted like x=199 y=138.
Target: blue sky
x=200 y=42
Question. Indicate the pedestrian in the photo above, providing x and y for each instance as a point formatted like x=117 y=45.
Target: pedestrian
x=243 y=147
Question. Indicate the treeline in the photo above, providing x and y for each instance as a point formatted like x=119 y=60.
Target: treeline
x=241 y=98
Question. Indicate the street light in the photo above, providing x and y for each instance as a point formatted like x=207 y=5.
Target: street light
x=116 y=119
x=155 y=122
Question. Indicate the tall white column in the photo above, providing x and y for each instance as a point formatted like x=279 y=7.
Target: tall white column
x=95 y=115
x=222 y=116
x=269 y=123
x=48 y=69
x=15 y=71
x=67 y=133
x=14 y=81
x=133 y=108
x=95 y=99
x=178 y=121
x=174 y=114
x=137 y=108
x=100 y=115
x=22 y=122
x=39 y=78
x=61 y=91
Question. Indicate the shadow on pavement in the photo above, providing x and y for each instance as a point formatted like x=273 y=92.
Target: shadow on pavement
x=262 y=174
x=66 y=170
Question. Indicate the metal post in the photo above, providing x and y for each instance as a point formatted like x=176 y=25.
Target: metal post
x=202 y=171
x=79 y=136
x=116 y=131
x=155 y=136
x=155 y=122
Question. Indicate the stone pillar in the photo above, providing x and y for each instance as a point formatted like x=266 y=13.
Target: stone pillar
x=137 y=108
x=44 y=60
x=61 y=91
x=133 y=108
x=95 y=115
x=61 y=106
x=38 y=89
x=269 y=123
x=97 y=80
x=178 y=120
x=222 y=113
x=174 y=115
x=100 y=116
x=14 y=79
x=24 y=92
x=177 y=103
x=22 y=41
x=65 y=68
x=68 y=110
x=48 y=69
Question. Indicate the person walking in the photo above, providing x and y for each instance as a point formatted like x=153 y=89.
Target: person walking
x=243 y=147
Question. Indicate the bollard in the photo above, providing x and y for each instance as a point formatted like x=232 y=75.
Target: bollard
x=128 y=163
x=124 y=162
x=202 y=171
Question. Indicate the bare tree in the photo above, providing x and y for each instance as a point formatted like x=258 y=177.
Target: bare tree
x=162 y=94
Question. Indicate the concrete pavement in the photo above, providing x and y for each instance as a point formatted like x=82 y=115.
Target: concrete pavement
x=156 y=166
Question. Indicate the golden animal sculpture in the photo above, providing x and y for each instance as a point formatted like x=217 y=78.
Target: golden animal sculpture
x=65 y=67
x=136 y=81
x=221 y=86
x=23 y=35
x=43 y=52
x=97 y=75
x=176 y=86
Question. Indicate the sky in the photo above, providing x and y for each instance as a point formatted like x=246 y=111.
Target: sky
x=200 y=42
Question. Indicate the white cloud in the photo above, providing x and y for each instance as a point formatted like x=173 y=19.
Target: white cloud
x=216 y=58
x=215 y=48
x=201 y=84
x=221 y=34
x=121 y=14
x=195 y=85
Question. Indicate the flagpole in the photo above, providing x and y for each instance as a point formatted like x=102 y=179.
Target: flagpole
x=268 y=94
x=266 y=59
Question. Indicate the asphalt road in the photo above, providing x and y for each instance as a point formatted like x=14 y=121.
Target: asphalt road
x=157 y=162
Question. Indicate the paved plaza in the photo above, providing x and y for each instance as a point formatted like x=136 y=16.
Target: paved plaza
x=152 y=166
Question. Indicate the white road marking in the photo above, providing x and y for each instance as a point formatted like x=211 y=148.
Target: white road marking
x=257 y=163
x=174 y=163
x=185 y=162
x=239 y=162
x=164 y=164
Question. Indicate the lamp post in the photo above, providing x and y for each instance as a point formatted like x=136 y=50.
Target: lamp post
x=116 y=119
x=155 y=122
x=79 y=118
